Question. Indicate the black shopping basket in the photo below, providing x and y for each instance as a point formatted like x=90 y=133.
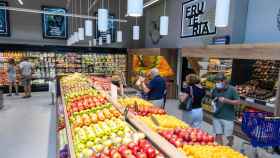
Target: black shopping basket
x=262 y=129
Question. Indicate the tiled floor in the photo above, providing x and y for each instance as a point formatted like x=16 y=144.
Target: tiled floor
x=27 y=127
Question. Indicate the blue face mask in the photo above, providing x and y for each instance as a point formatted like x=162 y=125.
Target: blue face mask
x=220 y=85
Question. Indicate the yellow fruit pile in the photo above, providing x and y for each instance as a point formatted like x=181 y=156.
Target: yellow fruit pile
x=164 y=122
x=130 y=102
x=199 y=151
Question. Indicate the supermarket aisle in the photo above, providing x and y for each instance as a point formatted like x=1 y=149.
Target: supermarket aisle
x=28 y=127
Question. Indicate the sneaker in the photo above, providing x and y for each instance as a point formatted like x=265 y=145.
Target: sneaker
x=24 y=97
x=17 y=94
x=9 y=95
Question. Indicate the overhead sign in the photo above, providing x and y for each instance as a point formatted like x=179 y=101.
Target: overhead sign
x=195 y=19
x=4 y=20
x=54 y=26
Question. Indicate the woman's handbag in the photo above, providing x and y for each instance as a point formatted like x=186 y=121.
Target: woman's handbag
x=187 y=104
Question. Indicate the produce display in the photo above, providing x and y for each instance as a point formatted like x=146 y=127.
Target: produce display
x=48 y=64
x=4 y=58
x=98 y=128
x=266 y=70
x=163 y=122
x=210 y=151
x=190 y=136
x=264 y=78
x=103 y=83
x=147 y=111
x=138 y=149
x=132 y=101
x=193 y=142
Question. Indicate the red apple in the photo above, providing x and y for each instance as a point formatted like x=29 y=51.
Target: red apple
x=135 y=150
x=150 y=152
x=143 y=142
x=122 y=148
x=141 y=155
x=131 y=145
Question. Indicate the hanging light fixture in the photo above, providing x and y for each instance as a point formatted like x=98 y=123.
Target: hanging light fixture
x=89 y=43
x=102 y=19
x=136 y=32
x=100 y=41
x=108 y=35
x=119 y=32
x=94 y=42
x=222 y=13
x=81 y=29
x=88 y=24
x=135 y=8
x=164 y=20
x=108 y=38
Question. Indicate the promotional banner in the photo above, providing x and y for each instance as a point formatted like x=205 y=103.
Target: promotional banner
x=4 y=20
x=54 y=26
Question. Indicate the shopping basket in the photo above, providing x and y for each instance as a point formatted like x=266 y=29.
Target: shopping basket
x=262 y=129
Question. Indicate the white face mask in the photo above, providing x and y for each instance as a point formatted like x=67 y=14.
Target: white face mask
x=220 y=85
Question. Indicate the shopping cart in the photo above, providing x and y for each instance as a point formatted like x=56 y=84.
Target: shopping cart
x=262 y=129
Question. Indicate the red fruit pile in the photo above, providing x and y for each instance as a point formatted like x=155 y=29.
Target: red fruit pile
x=85 y=102
x=147 y=111
x=190 y=136
x=141 y=149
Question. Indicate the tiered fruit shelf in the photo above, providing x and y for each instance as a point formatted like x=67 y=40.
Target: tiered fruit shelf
x=158 y=147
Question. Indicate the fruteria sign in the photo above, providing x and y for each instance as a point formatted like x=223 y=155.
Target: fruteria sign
x=196 y=20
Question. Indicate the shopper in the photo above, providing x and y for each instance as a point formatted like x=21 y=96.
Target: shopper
x=12 y=77
x=155 y=89
x=196 y=93
x=227 y=97
x=26 y=76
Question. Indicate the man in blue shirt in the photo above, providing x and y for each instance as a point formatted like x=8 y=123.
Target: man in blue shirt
x=156 y=88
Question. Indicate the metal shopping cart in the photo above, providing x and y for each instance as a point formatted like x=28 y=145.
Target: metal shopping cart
x=262 y=129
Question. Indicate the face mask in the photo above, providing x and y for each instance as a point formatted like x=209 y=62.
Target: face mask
x=220 y=85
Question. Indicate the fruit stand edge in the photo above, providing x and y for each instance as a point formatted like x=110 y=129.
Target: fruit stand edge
x=162 y=144
x=68 y=130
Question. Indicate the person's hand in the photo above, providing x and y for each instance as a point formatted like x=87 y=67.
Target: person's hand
x=142 y=79
x=222 y=99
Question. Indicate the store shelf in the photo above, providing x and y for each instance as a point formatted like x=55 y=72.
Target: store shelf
x=163 y=145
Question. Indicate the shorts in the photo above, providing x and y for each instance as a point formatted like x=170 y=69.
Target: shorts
x=11 y=78
x=194 y=118
x=26 y=82
x=157 y=103
x=223 y=127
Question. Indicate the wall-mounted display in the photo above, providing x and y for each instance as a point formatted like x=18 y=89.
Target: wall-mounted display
x=4 y=20
x=112 y=29
x=54 y=26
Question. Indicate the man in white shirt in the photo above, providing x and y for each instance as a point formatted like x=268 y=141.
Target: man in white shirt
x=26 y=74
